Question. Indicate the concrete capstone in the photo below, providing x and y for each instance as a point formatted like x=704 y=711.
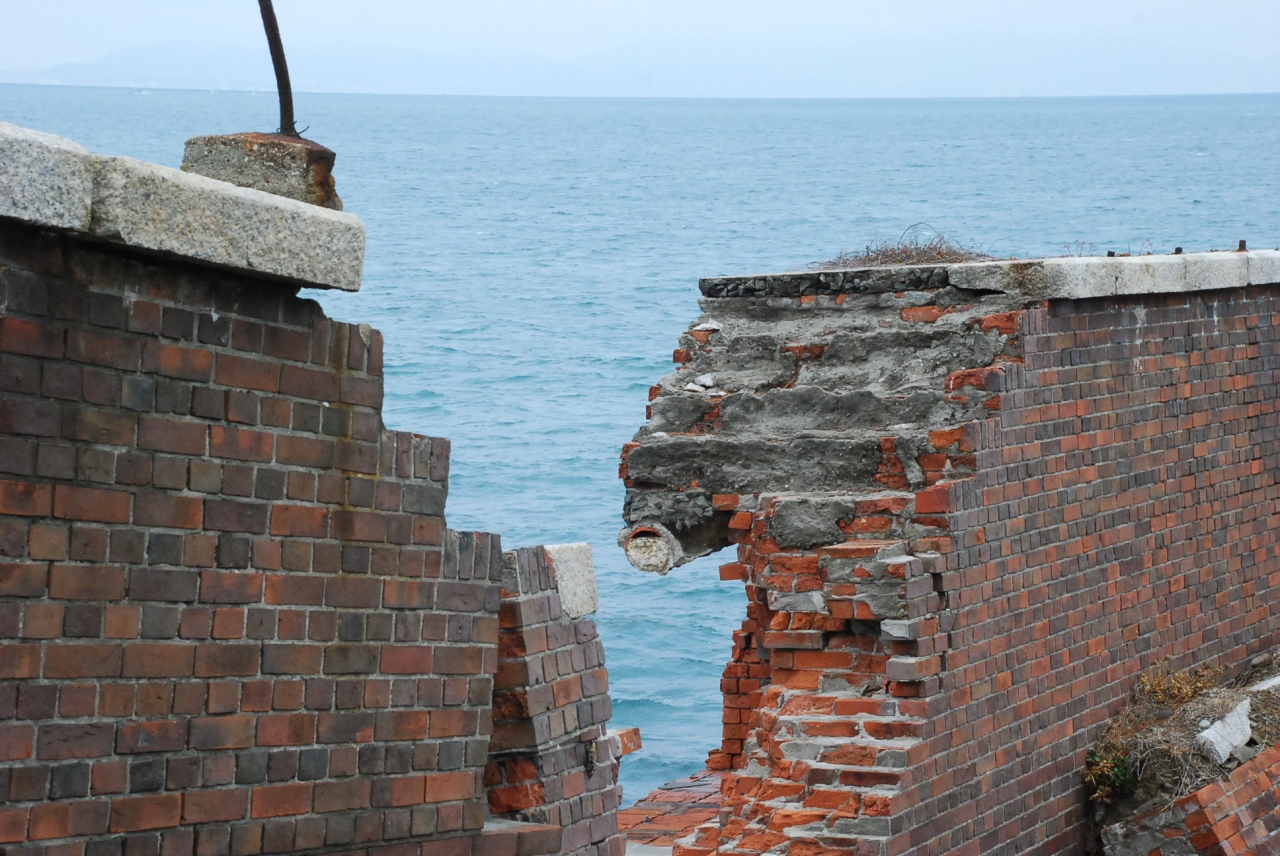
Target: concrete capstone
x=49 y=181
x=44 y=180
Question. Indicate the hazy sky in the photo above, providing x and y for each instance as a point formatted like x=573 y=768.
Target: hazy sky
x=658 y=47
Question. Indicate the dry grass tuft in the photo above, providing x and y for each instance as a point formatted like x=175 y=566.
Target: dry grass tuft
x=1149 y=752
x=918 y=245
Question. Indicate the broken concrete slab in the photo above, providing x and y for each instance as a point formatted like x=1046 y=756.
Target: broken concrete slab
x=1226 y=735
x=44 y=180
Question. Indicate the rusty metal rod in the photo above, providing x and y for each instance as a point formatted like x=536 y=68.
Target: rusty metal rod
x=287 y=126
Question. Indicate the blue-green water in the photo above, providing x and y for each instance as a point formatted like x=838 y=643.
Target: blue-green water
x=531 y=262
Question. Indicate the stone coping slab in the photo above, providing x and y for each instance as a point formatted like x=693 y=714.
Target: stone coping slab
x=48 y=181
x=1036 y=279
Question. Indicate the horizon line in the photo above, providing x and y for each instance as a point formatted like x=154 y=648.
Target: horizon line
x=216 y=90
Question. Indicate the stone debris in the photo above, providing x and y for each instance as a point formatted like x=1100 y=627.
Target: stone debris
x=1228 y=734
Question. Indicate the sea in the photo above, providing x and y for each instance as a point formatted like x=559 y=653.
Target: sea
x=531 y=262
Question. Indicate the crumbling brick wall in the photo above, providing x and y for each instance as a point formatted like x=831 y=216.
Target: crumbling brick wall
x=551 y=760
x=232 y=620
x=966 y=518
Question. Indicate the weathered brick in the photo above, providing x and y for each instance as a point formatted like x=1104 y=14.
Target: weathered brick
x=92 y=504
x=134 y=814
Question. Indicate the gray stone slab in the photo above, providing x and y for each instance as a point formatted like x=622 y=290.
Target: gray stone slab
x=44 y=180
x=48 y=181
x=169 y=211
x=575 y=577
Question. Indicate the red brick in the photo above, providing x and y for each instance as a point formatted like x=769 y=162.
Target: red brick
x=447 y=787
x=315 y=384
x=58 y=741
x=305 y=452
x=98 y=426
x=86 y=582
x=401 y=725
x=406 y=659
x=13 y=825
x=223 y=659
x=407 y=594
x=247 y=374
x=15 y=740
x=180 y=437
x=210 y=806
x=391 y=791
x=31 y=338
x=934 y=500
x=83 y=503
x=281 y=800
x=25 y=498
x=287 y=729
x=222 y=732
x=175 y=361
x=351 y=525
x=241 y=444
x=230 y=587
x=23 y=580
x=358 y=592
x=64 y=820
x=103 y=349
x=167 y=510
x=299 y=521
x=134 y=814
x=225 y=515
x=343 y=795
x=294 y=589
x=158 y=660
x=290 y=659
x=167 y=735
x=82 y=661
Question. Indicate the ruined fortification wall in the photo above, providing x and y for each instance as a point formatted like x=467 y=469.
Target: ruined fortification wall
x=970 y=503
x=1123 y=511
x=232 y=619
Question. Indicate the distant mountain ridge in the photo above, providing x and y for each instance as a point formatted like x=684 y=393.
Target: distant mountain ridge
x=1114 y=64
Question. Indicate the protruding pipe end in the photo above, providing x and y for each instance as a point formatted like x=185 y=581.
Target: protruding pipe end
x=651 y=547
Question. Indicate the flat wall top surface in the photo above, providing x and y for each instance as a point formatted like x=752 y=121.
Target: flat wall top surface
x=1035 y=279
x=48 y=181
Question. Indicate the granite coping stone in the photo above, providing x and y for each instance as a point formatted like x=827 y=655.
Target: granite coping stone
x=48 y=181
x=1074 y=278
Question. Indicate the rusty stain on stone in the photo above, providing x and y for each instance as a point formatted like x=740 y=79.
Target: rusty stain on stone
x=287 y=166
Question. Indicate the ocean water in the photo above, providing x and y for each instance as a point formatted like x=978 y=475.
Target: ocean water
x=532 y=261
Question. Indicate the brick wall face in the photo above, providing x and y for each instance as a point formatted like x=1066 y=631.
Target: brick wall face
x=231 y=618
x=931 y=682
x=1123 y=512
